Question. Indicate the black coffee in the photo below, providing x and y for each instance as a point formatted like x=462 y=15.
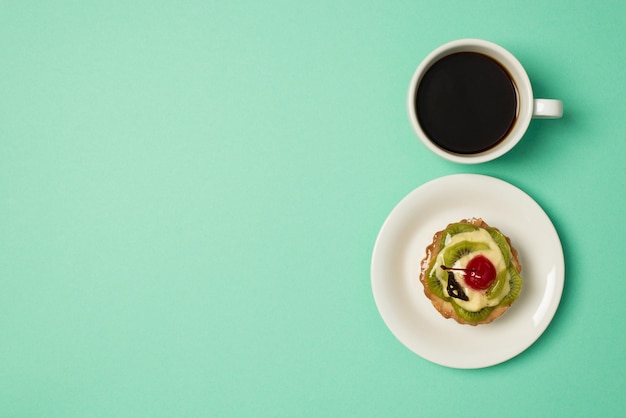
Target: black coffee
x=466 y=103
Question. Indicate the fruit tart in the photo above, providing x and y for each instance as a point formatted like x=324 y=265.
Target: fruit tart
x=471 y=273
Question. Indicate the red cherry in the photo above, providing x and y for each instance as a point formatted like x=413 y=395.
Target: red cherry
x=479 y=273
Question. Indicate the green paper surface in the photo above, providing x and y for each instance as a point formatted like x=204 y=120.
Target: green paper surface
x=190 y=193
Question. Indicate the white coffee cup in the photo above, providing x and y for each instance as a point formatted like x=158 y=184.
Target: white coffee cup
x=527 y=106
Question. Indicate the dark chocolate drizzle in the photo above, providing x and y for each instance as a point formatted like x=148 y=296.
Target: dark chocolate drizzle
x=454 y=288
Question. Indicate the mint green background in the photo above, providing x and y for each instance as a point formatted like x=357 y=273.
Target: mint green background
x=190 y=193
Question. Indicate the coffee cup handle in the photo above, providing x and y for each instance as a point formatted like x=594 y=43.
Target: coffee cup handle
x=547 y=109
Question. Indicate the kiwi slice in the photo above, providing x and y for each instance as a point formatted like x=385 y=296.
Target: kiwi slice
x=504 y=246
x=473 y=316
x=459 y=227
x=497 y=285
x=432 y=282
x=515 y=282
x=457 y=250
x=453 y=229
x=435 y=285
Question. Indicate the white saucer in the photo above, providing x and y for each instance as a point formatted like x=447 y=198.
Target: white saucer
x=401 y=245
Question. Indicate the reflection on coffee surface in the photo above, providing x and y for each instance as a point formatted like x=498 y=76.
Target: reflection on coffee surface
x=466 y=103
